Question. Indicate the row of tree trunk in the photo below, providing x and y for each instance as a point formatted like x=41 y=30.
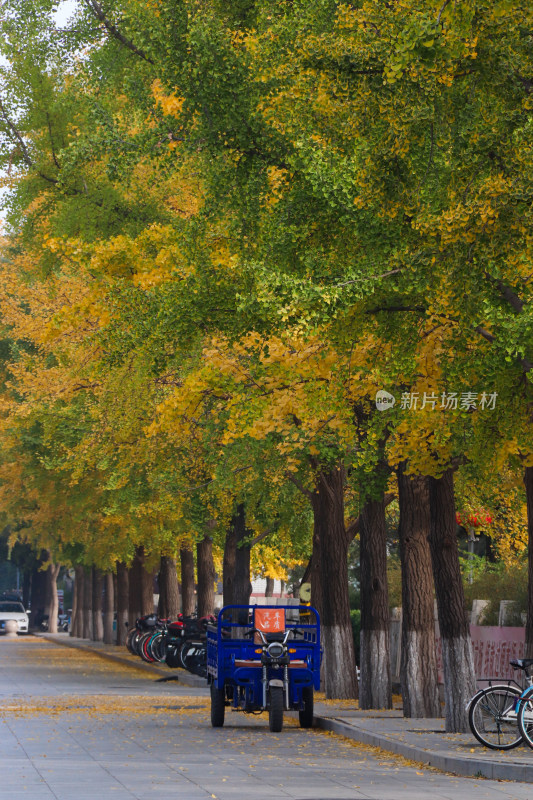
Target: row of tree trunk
x=129 y=593
x=430 y=569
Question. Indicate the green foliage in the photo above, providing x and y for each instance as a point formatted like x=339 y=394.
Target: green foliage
x=394 y=577
x=355 y=618
x=494 y=583
x=229 y=226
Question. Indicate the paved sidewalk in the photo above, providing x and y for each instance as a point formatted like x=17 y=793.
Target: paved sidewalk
x=425 y=741
x=418 y=740
x=121 y=655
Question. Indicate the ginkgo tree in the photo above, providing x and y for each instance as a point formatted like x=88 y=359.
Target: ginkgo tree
x=269 y=215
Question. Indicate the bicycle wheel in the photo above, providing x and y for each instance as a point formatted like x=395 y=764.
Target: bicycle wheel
x=186 y=648
x=492 y=717
x=194 y=659
x=525 y=718
x=155 y=646
x=131 y=641
x=143 y=648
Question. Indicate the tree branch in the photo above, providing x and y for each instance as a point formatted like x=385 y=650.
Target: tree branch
x=527 y=366
x=262 y=536
x=369 y=278
x=419 y=309
x=99 y=13
x=486 y=335
x=22 y=144
x=441 y=10
x=353 y=527
x=511 y=296
x=300 y=486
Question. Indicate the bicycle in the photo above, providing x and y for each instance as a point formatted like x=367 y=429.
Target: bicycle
x=493 y=711
x=525 y=708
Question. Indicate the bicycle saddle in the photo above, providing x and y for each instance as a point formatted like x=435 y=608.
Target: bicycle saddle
x=521 y=663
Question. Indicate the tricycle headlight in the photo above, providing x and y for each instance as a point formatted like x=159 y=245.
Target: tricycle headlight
x=275 y=650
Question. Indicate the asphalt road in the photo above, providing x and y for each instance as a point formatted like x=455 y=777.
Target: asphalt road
x=74 y=726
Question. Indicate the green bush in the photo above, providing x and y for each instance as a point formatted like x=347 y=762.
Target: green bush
x=355 y=617
x=495 y=582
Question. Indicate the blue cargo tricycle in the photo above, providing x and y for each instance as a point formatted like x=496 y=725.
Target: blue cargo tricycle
x=264 y=658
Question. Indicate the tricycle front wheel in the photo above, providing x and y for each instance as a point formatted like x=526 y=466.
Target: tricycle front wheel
x=306 y=713
x=275 y=711
x=218 y=706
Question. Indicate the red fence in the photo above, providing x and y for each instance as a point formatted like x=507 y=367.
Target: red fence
x=493 y=648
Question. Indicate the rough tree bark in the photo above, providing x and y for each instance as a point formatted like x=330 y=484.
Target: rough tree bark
x=228 y=564
x=420 y=691
x=457 y=656
x=528 y=483
x=141 y=587
x=98 y=625
x=188 y=602
x=169 y=595
x=242 y=588
x=330 y=583
x=269 y=588
x=52 y=603
x=376 y=685
x=205 y=568
x=123 y=594
x=88 y=604
x=109 y=608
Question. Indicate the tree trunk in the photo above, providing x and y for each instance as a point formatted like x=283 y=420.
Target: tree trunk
x=420 y=691
x=74 y=609
x=457 y=656
x=77 y=604
x=77 y=628
x=188 y=602
x=205 y=568
x=88 y=604
x=98 y=625
x=79 y=587
x=169 y=596
x=109 y=608
x=38 y=596
x=313 y=572
x=330 y=566
x=269 y=588
x=26 y=588
x=528 y=483
x=242 y=588
x=376 y=685
x=123 y=594
x=141 y=587
x=52 y=604
x=228 y=565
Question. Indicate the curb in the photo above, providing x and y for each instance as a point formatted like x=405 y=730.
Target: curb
x=470 y=767
x=185 y=679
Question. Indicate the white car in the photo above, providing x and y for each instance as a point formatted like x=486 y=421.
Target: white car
x=10 y=609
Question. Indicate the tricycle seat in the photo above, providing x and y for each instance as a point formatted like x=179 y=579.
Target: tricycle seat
x=248 y=662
